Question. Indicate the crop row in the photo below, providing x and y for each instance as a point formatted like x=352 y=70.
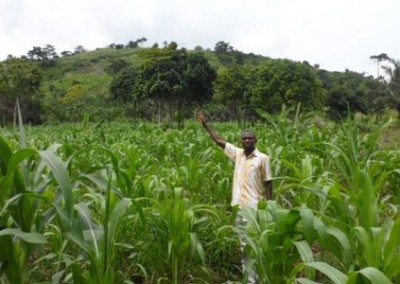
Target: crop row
x=136 y=203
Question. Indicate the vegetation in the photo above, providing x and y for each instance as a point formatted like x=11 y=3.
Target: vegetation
x=108 y=190
x=165 y=84
x=136 y=203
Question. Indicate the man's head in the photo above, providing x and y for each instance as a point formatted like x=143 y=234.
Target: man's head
x=249 y=140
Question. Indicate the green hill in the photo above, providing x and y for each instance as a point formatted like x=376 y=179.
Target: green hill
x=90 y=83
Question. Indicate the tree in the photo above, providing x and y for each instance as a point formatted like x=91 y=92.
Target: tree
x=141 y=41
x=223 y=47
x=132 y=44
x=50 y=51
x=349 y=93
x=174 y=79
x=394 y=83
x=200 y=76
x=285 y=82
x=379 y=58
x=37 y=53
x=122 y=85
x=79 y=49
x=20 y=78
x=46 y=55
x=119 y=46
x=232 y=88
x=66 y=53
x=116 y=65
x=226 y=54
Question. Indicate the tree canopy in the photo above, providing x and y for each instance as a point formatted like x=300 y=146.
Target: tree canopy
x=170 y=78
x=20 y=78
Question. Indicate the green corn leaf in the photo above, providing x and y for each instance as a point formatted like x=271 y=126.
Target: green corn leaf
x=366 y=243
x=368 y=201
x=22 y=138
x=139 y=210
x=60 y=173
x=306 y=281
x=78 y=275
x=393 y=268
x=8 y=251
x=8 y=203
x=307 y=220
x=13 y=161
x=33 y=238
x=344 y=242
x=5 y=154
x=90 y=232
x=304 y=250
x=371 y=273
x=331 y=272
x=379 y=236
x=306 y=255
x=392 y=244
x=18 y=157
x=117 y=213
x=198 y=247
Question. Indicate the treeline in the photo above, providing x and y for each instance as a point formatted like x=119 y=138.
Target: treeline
x=167 y=83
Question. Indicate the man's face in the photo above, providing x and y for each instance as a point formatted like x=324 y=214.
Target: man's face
x=248 y=141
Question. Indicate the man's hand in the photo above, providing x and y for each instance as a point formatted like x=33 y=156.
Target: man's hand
x=201 y=117
x=214 y=135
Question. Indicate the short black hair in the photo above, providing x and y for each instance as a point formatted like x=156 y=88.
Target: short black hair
x=251 y=132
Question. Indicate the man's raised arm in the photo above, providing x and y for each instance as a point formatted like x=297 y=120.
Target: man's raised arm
x=213 y=134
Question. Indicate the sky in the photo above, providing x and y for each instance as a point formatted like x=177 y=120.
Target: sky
x=337 y=35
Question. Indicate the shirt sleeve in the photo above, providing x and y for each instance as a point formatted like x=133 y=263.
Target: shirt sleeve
x=230 y=150
x=266 y=169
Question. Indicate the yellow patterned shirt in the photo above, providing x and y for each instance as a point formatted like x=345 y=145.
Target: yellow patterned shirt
x=249 y=174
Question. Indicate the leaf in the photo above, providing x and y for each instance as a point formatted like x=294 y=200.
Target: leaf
x=22 y=138
x=371 y=273
x=307 y=219
x=17 y=157
x=112 y=226
x=5 y=154
x=306 y=255
x=9 y=202
x=90 y=232
x=198 y=247
x=33 y=238
x=392 y=243
x=366 y=243
x=306 y=281
x=334 y=274
x=304 y=250
x=344 y=242
x=60 y=173
x=393 y=268
x=368 y=200
x=78 y=275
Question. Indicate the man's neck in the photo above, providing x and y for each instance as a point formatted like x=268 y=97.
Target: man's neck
x=248 y=152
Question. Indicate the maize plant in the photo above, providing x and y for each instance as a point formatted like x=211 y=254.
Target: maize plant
x=136 y=203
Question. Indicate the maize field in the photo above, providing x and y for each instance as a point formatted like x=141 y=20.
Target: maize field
x=136 y=203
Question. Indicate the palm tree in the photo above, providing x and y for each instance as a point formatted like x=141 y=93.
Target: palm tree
x=379 y=58
x=394 y=84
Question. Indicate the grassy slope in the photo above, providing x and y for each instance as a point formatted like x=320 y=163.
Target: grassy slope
x=88 y=68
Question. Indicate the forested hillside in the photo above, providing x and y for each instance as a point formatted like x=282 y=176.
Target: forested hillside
x=165 y=84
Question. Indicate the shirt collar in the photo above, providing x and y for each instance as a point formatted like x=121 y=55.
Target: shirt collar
x=254 y=153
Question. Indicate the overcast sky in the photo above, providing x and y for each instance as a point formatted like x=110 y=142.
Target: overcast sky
x=337 y=35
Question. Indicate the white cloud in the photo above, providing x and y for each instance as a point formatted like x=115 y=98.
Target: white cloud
x=336 y=34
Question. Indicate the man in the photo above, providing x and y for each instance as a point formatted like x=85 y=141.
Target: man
x=252 y=174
